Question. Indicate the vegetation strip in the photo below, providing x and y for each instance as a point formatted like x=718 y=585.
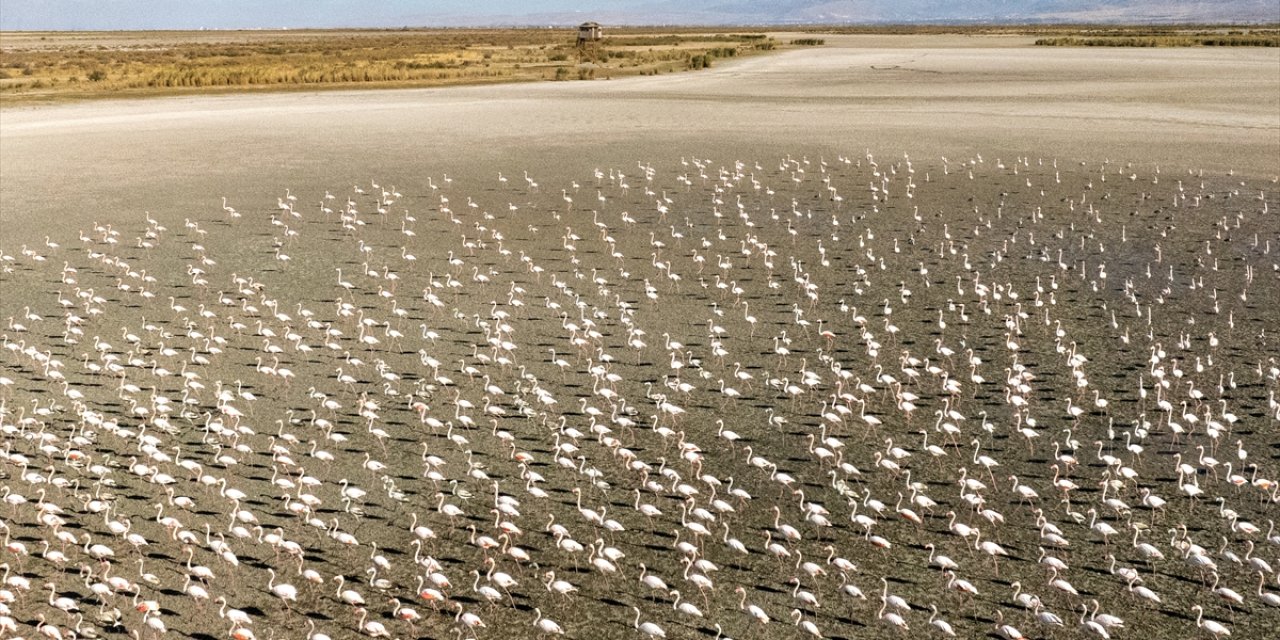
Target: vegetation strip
x=58 y=66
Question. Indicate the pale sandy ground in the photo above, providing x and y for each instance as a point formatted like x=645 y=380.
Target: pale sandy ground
x=1216 y=109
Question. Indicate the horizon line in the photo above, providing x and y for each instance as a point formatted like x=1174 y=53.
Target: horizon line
x=888 y=24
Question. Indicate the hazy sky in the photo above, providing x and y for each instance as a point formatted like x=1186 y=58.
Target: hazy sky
x=276 y=14
x=269 y=14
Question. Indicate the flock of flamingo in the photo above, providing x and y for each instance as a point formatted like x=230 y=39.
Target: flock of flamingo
x=833 y=397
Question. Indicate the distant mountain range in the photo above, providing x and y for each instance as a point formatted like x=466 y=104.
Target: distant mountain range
x=274 y=14
x=890 y=12
x=784 y=12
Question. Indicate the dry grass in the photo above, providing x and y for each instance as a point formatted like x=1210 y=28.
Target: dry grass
x=1084 y=35
x=77 y=65
x=60 y=66
x=1265 y=37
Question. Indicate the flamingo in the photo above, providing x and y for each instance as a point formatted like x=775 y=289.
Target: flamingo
x=649 y=629
x=372 y=628
x=286 y=592
x=546 y=626
x=941 y=625
x=751 y=609
x=1213 y=627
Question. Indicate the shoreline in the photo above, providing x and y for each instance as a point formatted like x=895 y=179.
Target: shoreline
x=80 y=89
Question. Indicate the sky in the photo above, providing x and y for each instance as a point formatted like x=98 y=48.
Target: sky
x=281 y=14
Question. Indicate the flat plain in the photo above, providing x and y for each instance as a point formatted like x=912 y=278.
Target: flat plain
x=47 y=67
x=780 y=333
